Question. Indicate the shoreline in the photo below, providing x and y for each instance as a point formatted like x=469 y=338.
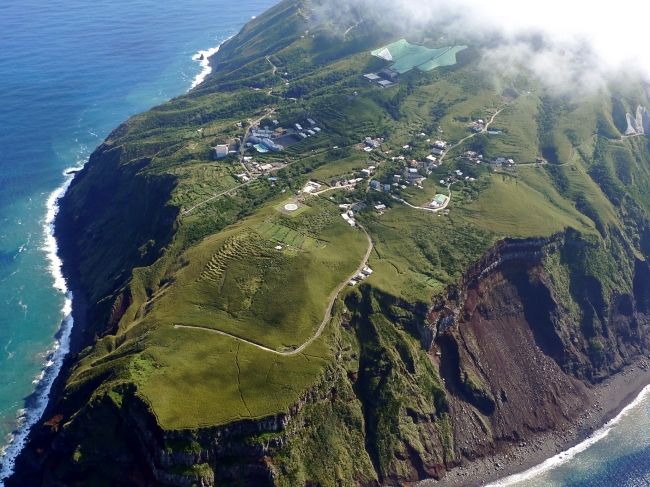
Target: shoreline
x=610 y=400
x=37 y=403
x=203 y=58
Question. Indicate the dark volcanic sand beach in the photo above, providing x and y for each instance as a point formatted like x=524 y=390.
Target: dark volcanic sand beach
x=608 y=399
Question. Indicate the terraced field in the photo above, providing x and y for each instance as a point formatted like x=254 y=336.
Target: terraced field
x=287 y=236
x=242 y=283
x=241 y=246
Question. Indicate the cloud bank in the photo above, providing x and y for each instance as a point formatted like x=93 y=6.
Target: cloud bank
x=573 y=44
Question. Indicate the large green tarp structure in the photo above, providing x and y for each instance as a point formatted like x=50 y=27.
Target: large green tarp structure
x=406 y=56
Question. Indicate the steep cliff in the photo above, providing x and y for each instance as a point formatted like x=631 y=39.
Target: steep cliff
x=217 y=340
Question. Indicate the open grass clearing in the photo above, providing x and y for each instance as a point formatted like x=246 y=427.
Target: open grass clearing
x=201 y=379
x=511 y=207
x=239 y=283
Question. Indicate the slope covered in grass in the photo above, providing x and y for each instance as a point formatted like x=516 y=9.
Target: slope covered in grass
x=200 y=285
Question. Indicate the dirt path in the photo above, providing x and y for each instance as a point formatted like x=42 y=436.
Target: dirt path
x=321 y=328
x=212 y=198
x=351 y=28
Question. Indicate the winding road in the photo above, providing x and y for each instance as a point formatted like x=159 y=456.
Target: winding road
x=442 y=158
x=323 y=324
x=341 y=286
x=474 y=134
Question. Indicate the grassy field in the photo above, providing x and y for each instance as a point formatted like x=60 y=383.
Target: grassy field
x=201 y=379
x=512 y=207
x=342 y=167
x=239 y=283
x=520 y=139
x=432 y=257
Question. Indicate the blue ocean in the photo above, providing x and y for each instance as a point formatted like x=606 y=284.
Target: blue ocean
x=616 y=455
x=70 y=72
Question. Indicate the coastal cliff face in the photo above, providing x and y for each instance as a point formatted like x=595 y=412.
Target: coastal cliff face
x=114 y=208
x=474 y=335
x=497 y=359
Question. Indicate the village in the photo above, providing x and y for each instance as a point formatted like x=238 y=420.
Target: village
x=390 y=171
x=412 y=171
x=264 y=140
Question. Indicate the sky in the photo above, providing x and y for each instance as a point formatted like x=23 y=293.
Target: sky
x=585 y=42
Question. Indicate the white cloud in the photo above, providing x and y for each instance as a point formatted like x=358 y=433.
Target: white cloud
x=587 y=41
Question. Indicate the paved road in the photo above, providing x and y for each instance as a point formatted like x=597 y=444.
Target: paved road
x=333 y=188
x=474 y=134
x=321 y=328
x=275 y=68
x=631 y=136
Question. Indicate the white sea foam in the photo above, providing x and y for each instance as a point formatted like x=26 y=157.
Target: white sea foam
x=203 y=58
x=55 y=356
x=568 y=455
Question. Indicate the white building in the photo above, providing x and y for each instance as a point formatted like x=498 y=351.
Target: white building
x=221 y=151
x=440 y=144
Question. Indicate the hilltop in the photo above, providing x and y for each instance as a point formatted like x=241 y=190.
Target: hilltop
x=351 y=256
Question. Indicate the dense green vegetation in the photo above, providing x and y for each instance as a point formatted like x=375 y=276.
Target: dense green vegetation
x=166 y=238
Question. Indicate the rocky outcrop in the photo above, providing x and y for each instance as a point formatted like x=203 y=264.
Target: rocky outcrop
x=513 y=361
x=639 y=124
x=511 y=352
x=446 y=309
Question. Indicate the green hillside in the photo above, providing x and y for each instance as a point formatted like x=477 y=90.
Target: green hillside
x=203 y=289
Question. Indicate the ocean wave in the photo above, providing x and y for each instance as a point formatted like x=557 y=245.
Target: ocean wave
x=53 y=360
x=568 y=455
x=203 y=58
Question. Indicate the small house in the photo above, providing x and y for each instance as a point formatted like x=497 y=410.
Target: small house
x=440 y=144
x=371 y=77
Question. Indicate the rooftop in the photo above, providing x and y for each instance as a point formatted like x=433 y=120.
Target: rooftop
x=406 y=56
